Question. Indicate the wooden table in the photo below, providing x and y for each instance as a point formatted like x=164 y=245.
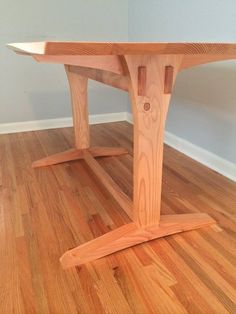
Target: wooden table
x=147 y=71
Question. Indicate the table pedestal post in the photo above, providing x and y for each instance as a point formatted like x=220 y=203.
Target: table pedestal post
x=151 y=79
x=78 y=90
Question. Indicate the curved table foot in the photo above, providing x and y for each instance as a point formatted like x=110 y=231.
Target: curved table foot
x=74 y=154
x=131 y=234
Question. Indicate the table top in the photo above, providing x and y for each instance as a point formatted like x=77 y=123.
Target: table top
x=122 y=48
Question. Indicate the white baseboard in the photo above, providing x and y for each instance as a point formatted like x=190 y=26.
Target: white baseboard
x=216 y=163
x=219 y=164
x=129 y=117
x=205 y=157
x=15 y=127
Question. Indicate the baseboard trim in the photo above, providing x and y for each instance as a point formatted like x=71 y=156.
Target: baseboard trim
x=16 y=127
x=212 y=161
x=216 y=163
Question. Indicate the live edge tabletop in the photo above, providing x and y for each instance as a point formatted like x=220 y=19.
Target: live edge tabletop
x=147 y=71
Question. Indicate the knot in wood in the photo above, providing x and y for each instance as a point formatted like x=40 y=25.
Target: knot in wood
x=146 y=106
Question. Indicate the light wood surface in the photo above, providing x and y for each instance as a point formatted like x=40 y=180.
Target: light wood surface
x=149 y=107
x=102 y=76
x=75 y=154
x=105 y=55
x=190 y=61
x=46 y=211
x=168 y=81
x=78 y=89
x=107 y=63
x=130 y=235
x=122 y=48
x=148 y=72
x=142 y=80
x=122 y=199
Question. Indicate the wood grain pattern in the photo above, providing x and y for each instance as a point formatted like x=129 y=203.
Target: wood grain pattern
x=78 y=89
x=106 y=63
x=75 y=154
x=106 y=77
x=142 y=80
x=130 y=235
x=44 y=212
x=122 y=199
x=168 y=83
x=149 y=115
x=193 y=60
x=123 y=48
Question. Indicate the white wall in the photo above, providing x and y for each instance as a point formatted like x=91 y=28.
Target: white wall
x=33 y=91
x=203 y=107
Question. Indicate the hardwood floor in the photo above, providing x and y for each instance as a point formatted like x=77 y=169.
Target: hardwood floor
x=45 y=211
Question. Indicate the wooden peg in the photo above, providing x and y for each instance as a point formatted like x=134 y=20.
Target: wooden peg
x=169 y=72
x=142 y=73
